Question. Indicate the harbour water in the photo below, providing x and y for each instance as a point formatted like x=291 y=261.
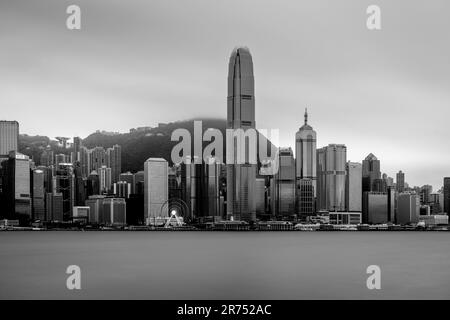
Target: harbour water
x=224 y=265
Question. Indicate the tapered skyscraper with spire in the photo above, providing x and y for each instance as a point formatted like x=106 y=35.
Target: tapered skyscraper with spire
x=305 y=155
x=241 y=175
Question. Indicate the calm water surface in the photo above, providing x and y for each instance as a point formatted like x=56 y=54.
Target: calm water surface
x=225 y=265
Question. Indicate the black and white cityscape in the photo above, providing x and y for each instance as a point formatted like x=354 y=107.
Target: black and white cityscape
x=250 y=149
x=63 y=184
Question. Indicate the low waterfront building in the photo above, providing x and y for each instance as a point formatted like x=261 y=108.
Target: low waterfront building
x=434 y=220
x=338 y=218
x=81 y=214
x=275 y=225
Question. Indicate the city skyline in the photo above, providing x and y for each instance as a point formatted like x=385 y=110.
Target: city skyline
x=234 y=153
x=384 y=82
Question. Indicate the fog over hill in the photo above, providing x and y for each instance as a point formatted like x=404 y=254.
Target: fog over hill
x=137 y=145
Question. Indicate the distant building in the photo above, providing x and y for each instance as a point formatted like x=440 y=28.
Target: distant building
x=85 y=163
x=331 y=167
x=93 y=184
x=80 y=184
x=379 y=185
x=114 y=211
x=408 y=208
x=38 y=195
x=370 y=172
x=62 y=158
x=388 y=180
x=283 y=189
x=54 y=207
x=211 y=187
x=139 y=182
x=97 y=158
x=424 y=210
x=447 y=195
x=76 y=149
x=135 y=209
x=305 y=156
x=305 y=197
x=376 y=205
x=345 y=217
x=436 y=203
x=114 y=161
x=104 y=175
x=156 y=188
x=95 y=204
x=241 y=172
x=260 y=196
x=425 y=194
x=400 y=182
x=435 y=219
x=175 y=183
x=16 y=187
x=122 y=189
x=392 y=204
x=191 y=186
x=129 y=178
x=81 y=213
x=64 y=183
x=353 y=187
x=9 y=137
x=47 y=157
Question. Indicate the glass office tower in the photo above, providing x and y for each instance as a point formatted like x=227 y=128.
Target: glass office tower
x=241 y=175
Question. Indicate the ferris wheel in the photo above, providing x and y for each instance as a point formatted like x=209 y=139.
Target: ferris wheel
x=177 y=208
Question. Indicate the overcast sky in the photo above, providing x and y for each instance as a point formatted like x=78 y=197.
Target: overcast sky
x=137 y=63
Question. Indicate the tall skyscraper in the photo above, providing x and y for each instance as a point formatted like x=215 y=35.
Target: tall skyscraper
x=392 y=201
x=425 y=194
x=54 y=207
x=93 y=184
x=9 y=137
x=331 y=162
x=211 y=188
x=47 y=157
x=400 y=181
x=156 y=188
x=191 y=174
x=175 y=183
x=16 y=187
x=305 y=155
x=353 y=187
x=305 y=196
x=139 y=178
x=38 y=194
x=80 y=185
x=447 y=195
x=371 y=176
x=64 y=183
x=76 y=149
x=408 y=208
x=260 y=196
x=283 y=188
x=97 y=158
x=379 y=185
x=370 y=172
x=114 y=161
x=104 y=175
x=85 y=162
x=241 y=175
